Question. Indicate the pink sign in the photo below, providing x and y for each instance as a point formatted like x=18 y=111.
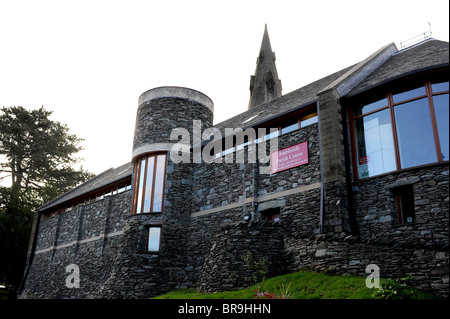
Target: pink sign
x=289 y=157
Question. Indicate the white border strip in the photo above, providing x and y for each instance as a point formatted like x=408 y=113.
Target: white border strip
x=117 y=233
x=258 y=199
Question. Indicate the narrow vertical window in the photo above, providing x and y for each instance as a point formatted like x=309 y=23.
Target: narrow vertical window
x=159 y=184
x=154 y=238
x=149 y=196
x=404 y=200
x=149 y=184
x=141 y=186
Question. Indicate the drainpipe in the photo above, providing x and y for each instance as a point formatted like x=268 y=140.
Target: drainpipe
x=321 y=212
x=255 y=186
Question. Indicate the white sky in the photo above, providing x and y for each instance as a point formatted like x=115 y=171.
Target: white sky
x=89 y=61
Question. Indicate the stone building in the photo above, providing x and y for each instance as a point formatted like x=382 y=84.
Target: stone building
x=347 y=171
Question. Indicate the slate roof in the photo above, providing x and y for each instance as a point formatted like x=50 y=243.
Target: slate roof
x=284 y=104
x=422 y=56
x=106 y=178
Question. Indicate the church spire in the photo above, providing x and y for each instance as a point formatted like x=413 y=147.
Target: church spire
x=265 y=84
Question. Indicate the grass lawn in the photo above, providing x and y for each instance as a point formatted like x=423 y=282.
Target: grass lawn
x=299 y=285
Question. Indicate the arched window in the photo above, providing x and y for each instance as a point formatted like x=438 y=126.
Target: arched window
x=148 y=194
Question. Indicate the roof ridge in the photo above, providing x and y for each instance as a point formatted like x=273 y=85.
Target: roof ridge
x=355 y=75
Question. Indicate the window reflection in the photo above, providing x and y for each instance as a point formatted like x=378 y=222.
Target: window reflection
x=441 y=104
x=154 y=236
x=439 y=87
x=415 y=133
x=409 y=94
x=150 y=193
x=371 y=107
x=410 y=130
x=290 y=127
x=141 y=186
x=159 y=183
x=308 y=120
x=375 y=144
x=149 y=184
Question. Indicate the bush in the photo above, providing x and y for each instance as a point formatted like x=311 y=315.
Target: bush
x=398 y=288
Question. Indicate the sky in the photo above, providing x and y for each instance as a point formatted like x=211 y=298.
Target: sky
x=89 y=61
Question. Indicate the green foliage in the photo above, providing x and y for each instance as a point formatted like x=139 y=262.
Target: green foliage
x=259 y=267
x=282 y=293
x=36 y=155
x=16 y=217
x=302 y=285
x=398 y=288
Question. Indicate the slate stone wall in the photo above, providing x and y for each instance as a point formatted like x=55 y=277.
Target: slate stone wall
x=87 y=236
x=156 y=118
x=429 y=268
x=377 y=216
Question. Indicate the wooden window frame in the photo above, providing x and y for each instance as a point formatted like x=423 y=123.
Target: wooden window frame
x=404 y=204
x=391 y=105
x=137 y=179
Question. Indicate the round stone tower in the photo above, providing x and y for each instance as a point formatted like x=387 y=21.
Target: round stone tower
x=163 y=109
x=151 y=258
x=153 y=247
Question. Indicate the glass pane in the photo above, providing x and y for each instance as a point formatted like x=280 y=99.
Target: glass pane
x=439 y=87
x=441 y=110
x=149 y=184
x=141 y=187
x=374 y=144
x=409 y=94
x=274 y=132
x=228 y=151
x=159 y=183
x=415 y=133
x=371 y=107
x=308 y=120
x=289 y=127
x=154 y=235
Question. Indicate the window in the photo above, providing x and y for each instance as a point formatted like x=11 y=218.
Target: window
x=300 y=122
x=149 y=184
x=403 y=129
x=415 y=133
x=375 y=144
x=441 y=109
x=153 y=239
x=290 y=126
x=271 y=215
x=308 y=119
x=404 y=202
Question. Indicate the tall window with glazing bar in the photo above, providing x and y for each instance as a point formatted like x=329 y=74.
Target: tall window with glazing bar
x=148 y=190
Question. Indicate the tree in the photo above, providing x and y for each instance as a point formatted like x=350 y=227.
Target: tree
x=37 y=154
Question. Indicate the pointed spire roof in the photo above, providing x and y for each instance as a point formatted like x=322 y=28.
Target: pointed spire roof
x=265 y=84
